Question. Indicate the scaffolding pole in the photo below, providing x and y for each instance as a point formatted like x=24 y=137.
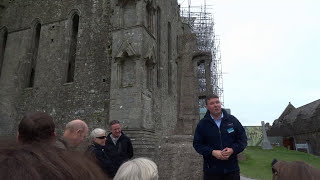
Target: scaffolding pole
x=202 y=25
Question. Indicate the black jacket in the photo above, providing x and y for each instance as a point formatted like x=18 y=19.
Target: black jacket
x=97 y=152
x=120 y=152
x=209 y=137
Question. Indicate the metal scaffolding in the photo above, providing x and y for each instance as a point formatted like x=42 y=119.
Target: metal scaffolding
x=200 y=19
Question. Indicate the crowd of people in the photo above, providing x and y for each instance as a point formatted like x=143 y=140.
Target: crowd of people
x=38 y=154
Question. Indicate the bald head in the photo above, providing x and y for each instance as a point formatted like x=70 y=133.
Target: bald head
x=76 y=125
x=76 y=131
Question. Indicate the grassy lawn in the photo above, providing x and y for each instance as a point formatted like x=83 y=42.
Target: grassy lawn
x=258 y=161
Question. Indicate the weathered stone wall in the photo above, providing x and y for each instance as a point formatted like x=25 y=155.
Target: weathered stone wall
x=144 y=70
x=88 y=96
x=188 y=111
x=135 y=62
x=177 y=159
x=176 y=156
x=3 y=5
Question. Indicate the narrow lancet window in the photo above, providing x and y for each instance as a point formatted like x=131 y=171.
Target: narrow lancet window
x=73 y=48
x=150 y=18
x=202 y=77
x=169 y=59
x=158 y=46
x=34 y=54
x=3 y=47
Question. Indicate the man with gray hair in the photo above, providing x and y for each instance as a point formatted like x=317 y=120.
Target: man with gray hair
x=139 y=168
x=97 y=151
x=74 y=135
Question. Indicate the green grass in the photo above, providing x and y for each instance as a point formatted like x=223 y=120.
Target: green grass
x=258 y=161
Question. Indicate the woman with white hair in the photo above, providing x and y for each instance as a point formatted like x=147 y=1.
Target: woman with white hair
x=96 y=150
x=137 y=169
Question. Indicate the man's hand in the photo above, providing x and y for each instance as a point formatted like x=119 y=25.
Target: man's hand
x=226 y=152
x=218 y=154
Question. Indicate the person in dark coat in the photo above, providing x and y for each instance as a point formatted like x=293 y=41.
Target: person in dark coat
x=296 y=170
x=118 y=146
x=97 y=152
x=36 y=127
x=74 y=134
x=43 y=161
x=219 y=137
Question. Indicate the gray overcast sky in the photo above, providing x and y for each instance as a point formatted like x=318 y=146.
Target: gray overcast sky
x=270 y=53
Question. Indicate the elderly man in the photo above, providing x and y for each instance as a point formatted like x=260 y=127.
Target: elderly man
x=73 y=136
x=36 y=127
x=118 y=145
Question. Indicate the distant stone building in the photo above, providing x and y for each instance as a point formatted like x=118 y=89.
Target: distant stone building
x=299 y=126
x=131 y=60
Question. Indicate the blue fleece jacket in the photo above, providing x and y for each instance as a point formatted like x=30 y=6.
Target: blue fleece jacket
x=209 y=137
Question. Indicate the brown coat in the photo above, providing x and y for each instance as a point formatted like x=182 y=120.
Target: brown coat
x=295 y=170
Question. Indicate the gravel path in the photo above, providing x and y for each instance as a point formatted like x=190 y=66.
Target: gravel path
x=245 y=178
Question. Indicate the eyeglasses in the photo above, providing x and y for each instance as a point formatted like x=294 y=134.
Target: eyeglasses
x=101 y=137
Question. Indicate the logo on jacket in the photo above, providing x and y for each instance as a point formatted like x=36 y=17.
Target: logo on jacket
x=230 y=130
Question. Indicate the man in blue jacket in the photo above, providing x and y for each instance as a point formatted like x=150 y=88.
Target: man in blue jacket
x=219 y=137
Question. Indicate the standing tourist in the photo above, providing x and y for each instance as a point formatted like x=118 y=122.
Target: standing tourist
x=118 y=145
x=96 y=150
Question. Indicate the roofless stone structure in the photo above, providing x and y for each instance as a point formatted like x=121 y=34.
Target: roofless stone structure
x=131 y=60
x=299 y=126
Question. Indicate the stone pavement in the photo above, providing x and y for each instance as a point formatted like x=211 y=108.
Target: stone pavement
x=245 y=178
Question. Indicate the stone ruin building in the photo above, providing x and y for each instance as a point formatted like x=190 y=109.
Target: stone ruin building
x=136 y=61
x=299 y=126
